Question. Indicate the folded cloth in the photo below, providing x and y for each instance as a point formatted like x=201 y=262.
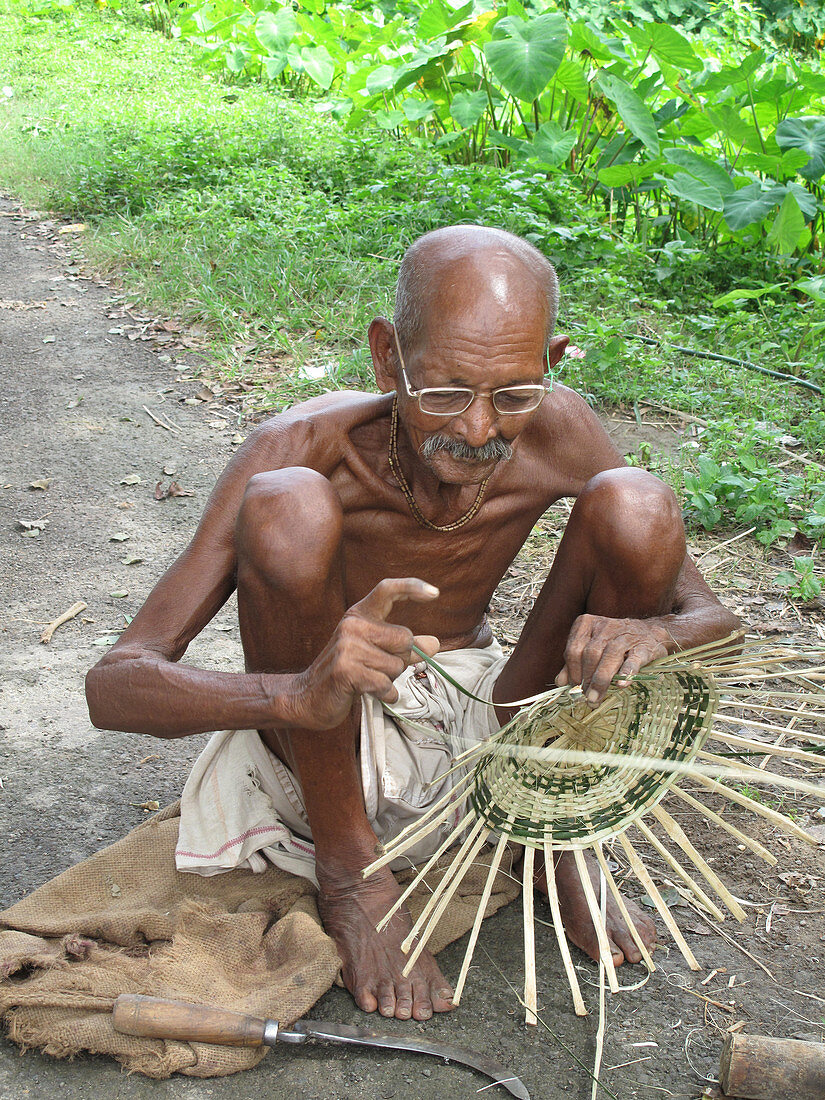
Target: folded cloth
x=241 y=807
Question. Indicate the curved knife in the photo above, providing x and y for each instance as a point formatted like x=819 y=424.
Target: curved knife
x=155 y=1018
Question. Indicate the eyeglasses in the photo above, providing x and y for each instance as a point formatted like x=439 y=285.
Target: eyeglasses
x=454 y=400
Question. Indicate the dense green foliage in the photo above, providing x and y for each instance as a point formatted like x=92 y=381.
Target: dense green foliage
x=682 y=140
x=232 y=203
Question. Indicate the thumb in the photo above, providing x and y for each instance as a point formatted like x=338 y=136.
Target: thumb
x=427 y=644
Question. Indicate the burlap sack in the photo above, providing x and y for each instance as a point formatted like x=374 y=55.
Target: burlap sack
x=126 y=921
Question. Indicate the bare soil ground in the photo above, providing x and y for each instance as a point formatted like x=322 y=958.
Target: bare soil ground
x=84 y=382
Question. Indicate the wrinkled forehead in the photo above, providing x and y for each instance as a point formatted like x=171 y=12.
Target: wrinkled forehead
x=483 y=295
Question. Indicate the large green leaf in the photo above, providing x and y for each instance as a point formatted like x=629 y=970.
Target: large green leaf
x=570 y=75
x=620 y=175
x=748 y=205
x=552 y=145
x=585 y=39
x=318 y=65
x=807 y=134
x=787 y=226
x=711 y=173
x=745 y=295
x=417 y=110
x=275 y=30
x=525 y=56
x=734 y=74
x=666 y=44
x=468 y=107
x=438 y=18
x=690 y=188
x=632 y=110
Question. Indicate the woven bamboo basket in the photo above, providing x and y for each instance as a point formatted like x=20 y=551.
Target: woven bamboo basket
x=562 y=776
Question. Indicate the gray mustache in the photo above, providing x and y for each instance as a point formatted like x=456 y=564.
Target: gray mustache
x=498 y=449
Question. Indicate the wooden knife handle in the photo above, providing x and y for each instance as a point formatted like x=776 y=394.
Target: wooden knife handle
x=155 y=1018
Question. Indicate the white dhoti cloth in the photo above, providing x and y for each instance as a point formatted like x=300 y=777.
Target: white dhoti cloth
x=241 y=806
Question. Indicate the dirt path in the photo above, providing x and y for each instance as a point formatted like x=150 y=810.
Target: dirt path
x=75 y=389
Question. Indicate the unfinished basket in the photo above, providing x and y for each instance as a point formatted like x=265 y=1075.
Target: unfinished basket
x=562 y=776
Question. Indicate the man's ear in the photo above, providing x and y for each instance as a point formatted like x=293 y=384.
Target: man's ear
x=382 y=349
x=555 y=350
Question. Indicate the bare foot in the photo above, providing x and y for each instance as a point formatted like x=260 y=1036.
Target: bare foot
x=576 y=914
x=350 y=908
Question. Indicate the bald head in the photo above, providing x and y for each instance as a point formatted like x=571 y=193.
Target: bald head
x=449 y=268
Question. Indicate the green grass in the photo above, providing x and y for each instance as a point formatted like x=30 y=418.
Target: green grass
x=241 y=209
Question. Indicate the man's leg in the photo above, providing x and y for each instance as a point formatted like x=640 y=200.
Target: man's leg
x=620 y=556
x=291 y=597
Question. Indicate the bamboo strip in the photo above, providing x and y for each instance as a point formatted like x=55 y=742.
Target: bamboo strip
x=755 y=807
x=676 y=866
x=790 y=712
x=754 y=845
x=455 y=881
x=622 y=904
x=739 y=770
x=675 y=830
x=482 y=908
x=440 y=810
x=450 y=873
x=597 y=1060
x=777 y=750
x=643 y=876
x=558 y=924
x=798 y=696
x=425 y=870
x=605 y=953
x=530 y=993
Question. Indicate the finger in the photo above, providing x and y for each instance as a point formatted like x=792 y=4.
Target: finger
x=574 y=650
x=608 y=664
x=378 y=603
x=427 y=644
x=563 y=678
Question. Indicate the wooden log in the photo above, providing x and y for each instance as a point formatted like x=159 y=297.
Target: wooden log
x=759 y=1068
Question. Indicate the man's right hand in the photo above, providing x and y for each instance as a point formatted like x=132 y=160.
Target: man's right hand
x=363 y=657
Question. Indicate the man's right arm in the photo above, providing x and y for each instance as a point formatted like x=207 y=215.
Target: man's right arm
x=139 y=687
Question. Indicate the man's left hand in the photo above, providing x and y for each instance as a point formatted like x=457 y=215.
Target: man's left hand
x=600 y=649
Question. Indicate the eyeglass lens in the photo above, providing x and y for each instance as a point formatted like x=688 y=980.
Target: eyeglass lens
x=510 y=399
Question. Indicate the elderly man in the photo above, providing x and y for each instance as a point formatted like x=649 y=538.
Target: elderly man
x=356 y=524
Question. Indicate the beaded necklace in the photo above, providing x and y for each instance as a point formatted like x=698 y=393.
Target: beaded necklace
x=403 y=485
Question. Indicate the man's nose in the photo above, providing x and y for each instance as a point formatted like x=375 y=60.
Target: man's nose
x=477 y=424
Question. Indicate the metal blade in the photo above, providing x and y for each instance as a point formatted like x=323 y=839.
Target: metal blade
x=302 y=1030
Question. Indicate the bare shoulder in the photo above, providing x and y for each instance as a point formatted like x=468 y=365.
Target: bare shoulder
x=570 y=437
x=312 y=433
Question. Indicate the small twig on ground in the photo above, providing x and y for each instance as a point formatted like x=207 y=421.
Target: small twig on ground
x=75 y=609
x=159 y=421
x=727 y=542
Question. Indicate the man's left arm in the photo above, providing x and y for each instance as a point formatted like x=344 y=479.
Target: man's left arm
x=599 y=649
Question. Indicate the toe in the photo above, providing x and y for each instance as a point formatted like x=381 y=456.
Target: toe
x=403 y=1001
x=442 y=998
x=422 y=1002
x=386 y=999
x=365 y=999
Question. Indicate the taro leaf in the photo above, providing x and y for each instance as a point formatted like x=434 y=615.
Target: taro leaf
x=438 y=18
x=807 y=134
x=389 y=120
x=585 y=39
x=275 y=30
x=275 y=64
x=620 y=175
x=382 y=78
x=507 y=141
x=745 y=295
x=318 y=65
x=688 y=187
x=416 y=110
x=787 y=226
x=525 y=56
x=236 y=59
x=814 y=288
x=570 y=75
x=748 y=205
x=468 y=107
x=807 y=202
x=708 y=171
x=552 y=145
x=737 y=74
x=632 y=110
x=666 y=44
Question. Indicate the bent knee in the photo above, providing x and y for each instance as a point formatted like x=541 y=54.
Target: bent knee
x=291 y=519
x=629 y=511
